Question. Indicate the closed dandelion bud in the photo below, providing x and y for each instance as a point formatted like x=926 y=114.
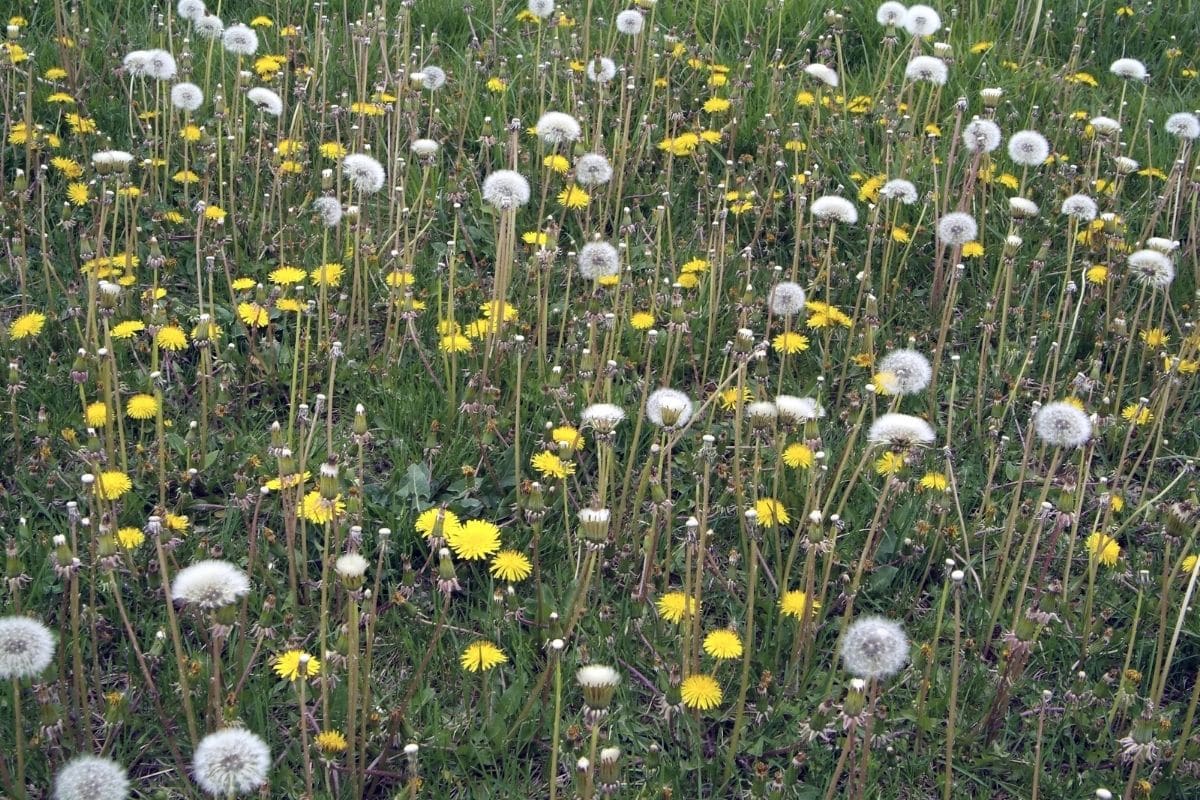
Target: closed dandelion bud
x=678 y=315
x=656 y=492
x=653 y=756
x=1012 y=243
x=743 y=342
x=555 y=379
x=200 y=333
x=326 y=179
x=593 y=525
x=328 y=480
x=1119 y=327
x=856 y=699
x=446 y=571
x=872 y=306
x=13 y=566
x=360 y=420
x=610 y=774
x=991 y=97
x=599 y=684
x=106 y=545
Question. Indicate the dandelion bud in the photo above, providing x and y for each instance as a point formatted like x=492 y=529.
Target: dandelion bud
x=856 y=699
x=447 y=576
x=610 y=776
x=1103 y=794
x=1012 y=243
x=599 y=683
x=351 y=567
x=593 y=525
x=360 y=420
x=328 y=480
x=991 y=96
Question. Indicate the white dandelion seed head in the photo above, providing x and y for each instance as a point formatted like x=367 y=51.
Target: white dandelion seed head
x=135 y=62
x=557 y=127
x=91 y=777
x=210 y=584
x=329 y=210
x=112 y=158
x=351 y=565
x=231 y=762
x=209 y=27
x=424 y=148
x=1183 y=125
x=668 y=408
x=798 y=409
x=1028 y=148
x=1062 y=425
x=364 y=172
x=891 y=13
x=899 y=189
x=606 y=72
x=603 y=417
x=1080 y=206
x=981 y=135
x=191 y=10
x=1128 y=68
x=1151 y=268
x=1162 y=245
x=239 y=39
x=921 y=20
x=433 y=78
x=598 y=260
x=541 y=8
x=187 y=96
x=1105 y=126
x=265 y=100
x=831 y=208
x=763 y=410
x=909 y=371
x=786 y=299
x=1125 y=165
x=589 y=516
x=159 y=65
x=927 y=68
x=900 y=431
x=630 y=22
x=1022 y=207
x=26 y=647
x=597 y=675
x=874 y=648
x=823 y=73
x=592 y=169
x=505 y=189
x=957 y=228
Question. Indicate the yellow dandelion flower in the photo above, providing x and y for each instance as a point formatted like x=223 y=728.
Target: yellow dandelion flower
x=673 y=606
x=701 y=692
x=286 y=276
x=427 y=522
x=1097 y=274
x=27 y=325
x=511 y=566
x=332 y=150
x=80 y=124
x=550 y=466
x=496 y=85
x=730 y=399
x=723 y=643
x=331 y=742
x=171 y=337
x=535 y=238
x=177 y=523
x=327 y=274
x=128 y=329
x=287 y=665
x=1187 y=565
x=319 y=510
x=982 y=47
x=556 y=163
x=141 y=406
x=889 y=463
x=252 y=315
x=573 y=197
x=641 y=320
x=481 y=656
x=1154 y=337
x=790 y=342
x=972 y=250
x=112 y=484
x=798 y=456
x=771 y=512
x=96 y=415
x=795 y=604
x=69 y=167
x=1137 y=414
x=934 y=482
x=1103 y=548
x=130 y=538
x=455 y=343
x=215 y=213
x=474 y=539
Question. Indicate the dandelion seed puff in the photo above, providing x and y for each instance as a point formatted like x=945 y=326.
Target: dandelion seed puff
x=602 y=417
x=92 y=777
x=26 y=647
x=957 y=228
x=556 y=127
x=1183 y=125
x=209 y=27
x=186 y=96
x=823 y=73
x=135 y=62
x=831 y=208
x=160 y=65
x=241 y=40
x=364 y=172
x=1105 y=126
x=424 y=148
x=928 y=69
x=1151 y=268
x=351 y=565
x=1128 y=68
x=630 y=22
x=110 y=159
x=598 y=260
x=900 y=431
x=265 y=100
x=1028 y=148
x=786 y=299
x=606 y=71
x=191 y=10
x=592 y=169
x=798 y=409
x=668 y=408
x=1162 y=245
x=231 y=762
x=891 y=13
x=981 y=135
x=541 y=8
x=899 y=189
x=434 y=77
x=874 y=648
x=210 y=584
x=505 y=189
x=1022 y=207
x=1080 y=206
x=921 y=20
x=1062 y=425
x=329 y=210
x=909 y=370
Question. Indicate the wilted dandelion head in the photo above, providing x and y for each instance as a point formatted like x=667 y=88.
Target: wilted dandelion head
x=1183 y=125
x=592 y=169
x=822 y=73
x=505 y=189
x=1105 y=126
x=899 y=189
x=1128 y=68
x=798 y=409
x=1062 y=425
x=364 y=172
x=111 y=159
x=160 y=65
x=786 y=299
x=927 y=68
x=329 y=209
x=186 y=96
x=191 y=10
x=907 y=371
x=874 y=648
x=557 y=127
x=981 y=135
x=668 y=408
x=210 y=584
x=265 y=100
x=239 y=39
x=602 y=417
x=231 y=762
x=900 y=431
x=599 y=682
x=209 y=27
x=1162 y=245
x=1028 y=148
x=1080 y=207
x=630 y=22
x=26 y=647
x=424 y=148
x=91 y=777
x=1022 y=207
x=433 y=78
x=957 y=228
x=921 y=20
x=541 y=8
x=601 y=70
x=598 y=260
x=1151 y=268
x=891 y=13
x=831 y=208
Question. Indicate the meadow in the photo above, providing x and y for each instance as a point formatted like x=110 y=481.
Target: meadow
x=676 y=399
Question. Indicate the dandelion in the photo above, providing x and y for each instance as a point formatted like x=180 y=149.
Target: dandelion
x=831 y=208
x=1137 y=413
x=599 y=682
x=505 y=189
x=265 y=100
x=141 y=406
x=549 y=465
x=27 y=325
x=899 y=189
x=130 y=538
x=928 y=69
x=1022 y=208
x=1028 y=148
x=481 y=656
x=891 y=14
x=957 y=228
x=190 y=10
x=933 y=482
x=231 y=762
x=794 y=603
x=786 y=299
x=438 y=522
x=171 y=337
x=573 y=197
x=474 y=539
x=433 y=78
x=790 y=342
x=630 y=22
x=91 y=778
x=210 y=584
x=668 y=408
x=601 y=70
x=1103 y=548
x=723 y=644
x=700 y=692
x=96 y=415
x=1080 y=207
x=159 y=65
x=364 y=172
x=921 y=20
x=906 y=372
x=592 y=169
x=209 y=27
x=874 y=648
x=557 y=127
x=186 y=96
x=798 y=455
x=351 y=566
x=541 y=9
x=241 y=40
x=890 y=463
x=331 y=742
x=510 y=566
x=674 y=606
x=26 y=647
x=112 y=484
x=823 y=74
x=771 y=512
x=424 y=148
x=597 y=260
x=900 y=431
x=1128 y=68
x=329 y=210
x=1151 y=268
x=981 y=135
x=1183 y=125
x=1062 y=425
